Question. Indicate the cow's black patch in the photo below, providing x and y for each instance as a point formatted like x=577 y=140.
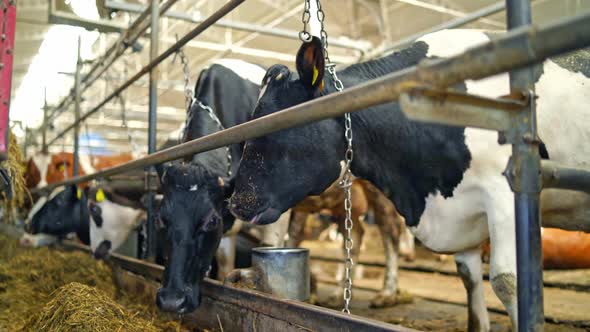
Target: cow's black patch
x=577 y=61
x=96 y=213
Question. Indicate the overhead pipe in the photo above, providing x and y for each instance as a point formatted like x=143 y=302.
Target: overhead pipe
x=171 y=50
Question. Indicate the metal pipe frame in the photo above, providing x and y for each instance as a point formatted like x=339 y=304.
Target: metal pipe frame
x=498 y=56
x=563 y=177
x=236 y=25
x=171 y=50
x=524 y=176
x=152 y=119
x=128 y=38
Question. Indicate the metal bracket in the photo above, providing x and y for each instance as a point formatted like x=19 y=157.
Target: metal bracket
x=459 y=109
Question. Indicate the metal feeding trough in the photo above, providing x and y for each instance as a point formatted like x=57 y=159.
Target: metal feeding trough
x=282 y=272
x=285 y=270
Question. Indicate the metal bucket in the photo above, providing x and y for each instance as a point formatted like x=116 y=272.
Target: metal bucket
x=284 y=270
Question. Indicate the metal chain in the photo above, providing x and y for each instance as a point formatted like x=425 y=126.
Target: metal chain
x=122 y=100
x=346 y=182
x=190 y=99
x=215 y=119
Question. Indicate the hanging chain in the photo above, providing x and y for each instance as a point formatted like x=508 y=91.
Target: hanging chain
x=122 y=100
x=215 y=119
x=346 y=182
x=190 y=99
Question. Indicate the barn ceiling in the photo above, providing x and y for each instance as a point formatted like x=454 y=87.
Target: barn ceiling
x=38 y=70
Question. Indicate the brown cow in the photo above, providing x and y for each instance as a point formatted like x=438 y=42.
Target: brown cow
x=561 y=249
x=365 y=197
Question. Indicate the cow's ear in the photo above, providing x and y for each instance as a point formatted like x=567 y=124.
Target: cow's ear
x=310 y=64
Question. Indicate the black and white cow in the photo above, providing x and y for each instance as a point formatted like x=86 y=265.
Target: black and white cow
x=194 y=208
x=63 y=212
x=446 y=181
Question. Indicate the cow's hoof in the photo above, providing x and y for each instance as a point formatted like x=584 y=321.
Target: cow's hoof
x=386 y=299
x=383 y=300
x=313 y=299
x=335 y=301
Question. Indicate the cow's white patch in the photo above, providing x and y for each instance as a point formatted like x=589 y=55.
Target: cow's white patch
x=117 y=222
x=245 y=70
x=194 y=187
x=55 y=192
x=38 y=205
x=42 y=162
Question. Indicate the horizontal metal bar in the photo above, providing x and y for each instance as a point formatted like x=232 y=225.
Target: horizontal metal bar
x=237 y=25
x=192 y=34
x=459 y=109
x=564 y=177
x=257 y=310
x=497 y=56
x=471 y=17
x=60 y=17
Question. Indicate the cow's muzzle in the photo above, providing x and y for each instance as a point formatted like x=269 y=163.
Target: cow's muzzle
x=103 y=249
x=177 y=301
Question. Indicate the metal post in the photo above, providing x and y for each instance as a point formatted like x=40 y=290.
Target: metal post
x=524 y=173
x=77 y=110
x=44 y=149
x=153 y=104
x=7 y=28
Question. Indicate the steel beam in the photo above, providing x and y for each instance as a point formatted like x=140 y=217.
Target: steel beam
x=498 y=56
x=195 y=18
x=60 y=17
x=171 y=50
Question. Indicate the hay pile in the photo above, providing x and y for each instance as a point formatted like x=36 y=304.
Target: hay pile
x=77 y=307
x=14 y=165
x=36 y=283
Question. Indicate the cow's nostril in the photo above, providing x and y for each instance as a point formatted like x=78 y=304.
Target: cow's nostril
x=171 y=300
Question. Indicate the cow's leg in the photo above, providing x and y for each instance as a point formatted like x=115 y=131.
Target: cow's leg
x=390 y=229
x=296 y=228
x=503 y=257
x=406 y=246
x=225 y=256
x=469 y=268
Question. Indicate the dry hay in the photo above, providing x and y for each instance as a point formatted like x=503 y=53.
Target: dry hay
x=29 y=277
x=14 y=165
x=77 y=307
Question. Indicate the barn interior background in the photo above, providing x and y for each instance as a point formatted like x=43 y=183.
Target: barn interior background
x=263 y=32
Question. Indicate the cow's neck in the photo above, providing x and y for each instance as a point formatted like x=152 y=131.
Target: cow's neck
x=83 y=226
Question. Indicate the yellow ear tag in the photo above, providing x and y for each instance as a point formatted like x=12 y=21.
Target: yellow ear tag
x=99 y=195
x=61 y=168
x=315 y=75
x=79 y=194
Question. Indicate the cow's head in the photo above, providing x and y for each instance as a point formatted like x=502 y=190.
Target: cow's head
x=190 y=210
x=110 y=221
x=62 y=213
x=279 y=170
